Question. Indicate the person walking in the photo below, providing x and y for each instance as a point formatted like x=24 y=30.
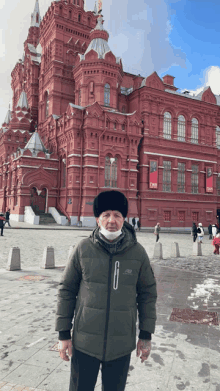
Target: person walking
x=106 y=281
x=200 y=232
x=194 y=232
x=214 y=231
x=210 y=231
x=133 y=222
x=2 y=223
x=216 y=243
x=157 y=231
x=7 y=217
x=139 y=225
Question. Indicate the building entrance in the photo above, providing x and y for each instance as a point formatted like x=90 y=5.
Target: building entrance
x=38 y=200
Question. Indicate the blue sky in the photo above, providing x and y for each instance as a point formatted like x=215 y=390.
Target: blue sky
x=178 y=37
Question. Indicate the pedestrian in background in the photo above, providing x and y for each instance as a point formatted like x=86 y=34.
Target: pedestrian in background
x=157 y=231
x=7 y=217
x=216 y=243
x=214 y=231
x=2 y=223
x=102 y=289
x=200 y=232
x=194 y=232
x=210 y=231
x=139 y=225
x=133 y=222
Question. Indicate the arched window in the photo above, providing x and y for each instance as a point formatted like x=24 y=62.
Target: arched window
x=70 y=14
x=107 y=95
x=74 y=1
x=37 y=18
x=46 y=104
x=89 y=21
x=80 y=97
x=79 y=18
x=60 y=11
x=194 y=131
x=77 y=2
x=167 y=125
x=63 y=173
x=123 y=109
x=181 y=128
x=111 y=171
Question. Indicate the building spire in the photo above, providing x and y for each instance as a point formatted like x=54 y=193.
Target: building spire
x=35 y=17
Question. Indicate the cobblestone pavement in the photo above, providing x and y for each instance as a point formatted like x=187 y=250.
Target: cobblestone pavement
x=33 y=241
x=185 y=354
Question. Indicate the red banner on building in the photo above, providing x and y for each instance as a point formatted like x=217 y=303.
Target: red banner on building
x=153 y=176
x=209 y=180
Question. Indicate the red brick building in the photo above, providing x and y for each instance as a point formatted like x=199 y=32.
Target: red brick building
x=99 y=127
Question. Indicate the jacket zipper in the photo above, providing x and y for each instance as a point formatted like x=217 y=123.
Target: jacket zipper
x=108 y=307
x=116 y=275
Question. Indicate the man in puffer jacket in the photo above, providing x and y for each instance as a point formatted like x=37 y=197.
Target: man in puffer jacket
x=106 y=281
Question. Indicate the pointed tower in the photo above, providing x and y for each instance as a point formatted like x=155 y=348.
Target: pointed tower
x=98 y=73
x=7 y=118
x=34 y=30
x=21 y=117
x=35 y=17
x=65 y=31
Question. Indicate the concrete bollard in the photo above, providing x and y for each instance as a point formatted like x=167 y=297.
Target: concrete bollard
x=175 y=252
x=71 y=251
x=48 y=261
x=14 y=259
x=197 y=248
x=158 y=252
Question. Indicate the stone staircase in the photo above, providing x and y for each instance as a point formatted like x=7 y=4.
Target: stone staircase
x=46 y=218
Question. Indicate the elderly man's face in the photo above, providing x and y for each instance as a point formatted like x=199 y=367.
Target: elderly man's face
x=112 y=220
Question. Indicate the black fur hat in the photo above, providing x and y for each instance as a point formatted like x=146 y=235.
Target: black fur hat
x=110 y=200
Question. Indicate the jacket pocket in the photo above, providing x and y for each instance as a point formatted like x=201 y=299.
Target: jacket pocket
x=91 y=321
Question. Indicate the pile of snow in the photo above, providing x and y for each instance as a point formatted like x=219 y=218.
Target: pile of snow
x=204 y=291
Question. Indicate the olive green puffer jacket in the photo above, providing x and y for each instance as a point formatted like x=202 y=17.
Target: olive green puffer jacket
x=103 y=292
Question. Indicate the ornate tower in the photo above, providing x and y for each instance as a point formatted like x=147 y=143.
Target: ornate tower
x=98 y=73
x=64 y=33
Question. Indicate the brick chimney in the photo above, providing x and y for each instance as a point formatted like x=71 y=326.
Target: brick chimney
x=169 y=82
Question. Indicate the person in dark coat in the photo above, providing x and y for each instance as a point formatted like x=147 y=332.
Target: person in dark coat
x=139 y=225
x=107 y=280
x=2 y=223
x=7 y=217
x=133 y=222
x=210 y=231
x=194 y=232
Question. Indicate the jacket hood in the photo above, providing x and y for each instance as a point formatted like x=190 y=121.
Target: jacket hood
x=128 y=241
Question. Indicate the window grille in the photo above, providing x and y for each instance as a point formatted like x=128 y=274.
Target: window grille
x=111 y=171
x=194 y=131
x=195 y=179
x=167 y=126
x=107 y=95
x=181 y=129
x=167 y=215
x=181 y=178
x=181 y=216
x=218 y=137
x=195 y=217
x=166 y=176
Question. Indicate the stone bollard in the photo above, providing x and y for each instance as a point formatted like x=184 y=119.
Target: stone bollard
x=175 y=252
x=48 y=261
x=197 y=248
x=158 y=252
x=70 y=251
x=14 y=260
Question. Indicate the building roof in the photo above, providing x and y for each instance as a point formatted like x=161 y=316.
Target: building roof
x=35 y=144
x=98 y=44
x=23 y=102
x=8 y=117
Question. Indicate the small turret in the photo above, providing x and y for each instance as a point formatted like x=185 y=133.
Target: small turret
x=35 y=17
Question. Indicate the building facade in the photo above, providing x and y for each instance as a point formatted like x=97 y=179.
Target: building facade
x=79 y=125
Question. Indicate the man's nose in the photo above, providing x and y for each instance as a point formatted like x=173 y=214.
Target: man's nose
x=111 y=218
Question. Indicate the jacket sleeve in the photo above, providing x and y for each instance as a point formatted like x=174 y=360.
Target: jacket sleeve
x=67 y=293
x=146 y=296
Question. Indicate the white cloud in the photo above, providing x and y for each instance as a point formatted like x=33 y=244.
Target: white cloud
x=211 y=78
